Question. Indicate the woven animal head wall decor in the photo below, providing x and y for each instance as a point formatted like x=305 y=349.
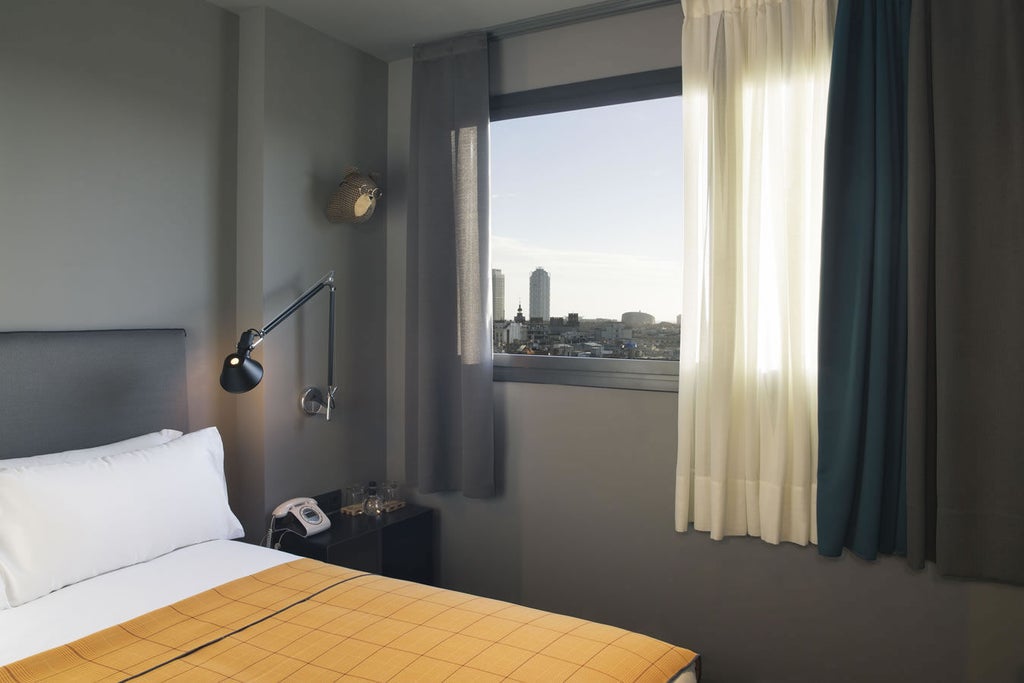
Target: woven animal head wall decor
x=355 y=198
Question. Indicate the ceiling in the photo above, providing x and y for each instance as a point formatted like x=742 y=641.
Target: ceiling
x=387 y=29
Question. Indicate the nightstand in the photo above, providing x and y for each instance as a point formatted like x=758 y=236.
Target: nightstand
x=399 y=544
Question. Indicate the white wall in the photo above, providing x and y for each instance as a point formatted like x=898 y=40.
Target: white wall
x=583 y=522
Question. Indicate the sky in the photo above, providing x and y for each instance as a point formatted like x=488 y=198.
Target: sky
x=593 y=196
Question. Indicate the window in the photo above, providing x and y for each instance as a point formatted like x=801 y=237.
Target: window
x=586 y=245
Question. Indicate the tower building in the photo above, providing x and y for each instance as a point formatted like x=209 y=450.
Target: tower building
x=540 y=294
x=498 y=294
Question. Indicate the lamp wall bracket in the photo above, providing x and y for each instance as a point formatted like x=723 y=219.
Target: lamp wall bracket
x=312 y=401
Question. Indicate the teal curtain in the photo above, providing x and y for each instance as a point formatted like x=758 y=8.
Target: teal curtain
x=863 y=303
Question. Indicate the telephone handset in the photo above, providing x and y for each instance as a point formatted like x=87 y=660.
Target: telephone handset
x=311 y=519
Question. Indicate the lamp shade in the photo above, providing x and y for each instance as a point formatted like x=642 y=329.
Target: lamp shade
x=240 y=373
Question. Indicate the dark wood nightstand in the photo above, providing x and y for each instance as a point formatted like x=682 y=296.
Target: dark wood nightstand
x=399 y=544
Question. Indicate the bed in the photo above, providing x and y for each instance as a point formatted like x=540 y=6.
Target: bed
x=118 y=559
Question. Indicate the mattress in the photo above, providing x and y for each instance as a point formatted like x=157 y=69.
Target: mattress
x=300 y=619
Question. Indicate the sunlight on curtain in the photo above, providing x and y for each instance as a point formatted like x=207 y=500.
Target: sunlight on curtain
x=469 y=307
x=755 y=90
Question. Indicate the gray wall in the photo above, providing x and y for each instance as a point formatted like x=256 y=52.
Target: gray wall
x=117 y=175
x=136 y=190
x=583 y=523
x=584 y=526
x=326 y=110
x=311 y=108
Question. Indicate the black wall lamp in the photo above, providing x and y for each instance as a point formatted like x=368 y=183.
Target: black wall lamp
x=242 y=373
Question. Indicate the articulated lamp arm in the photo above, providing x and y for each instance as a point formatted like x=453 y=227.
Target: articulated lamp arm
x=242 y=373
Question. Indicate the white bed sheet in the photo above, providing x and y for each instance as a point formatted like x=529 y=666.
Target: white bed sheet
x=83 y=608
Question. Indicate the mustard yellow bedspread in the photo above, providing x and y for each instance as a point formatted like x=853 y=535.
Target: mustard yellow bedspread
x=309 y=621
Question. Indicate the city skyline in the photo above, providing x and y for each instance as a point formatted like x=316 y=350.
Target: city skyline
x=635 y=336
x=594 y=197
x=500 y=304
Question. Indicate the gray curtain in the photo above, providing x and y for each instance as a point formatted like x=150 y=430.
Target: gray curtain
x=449 y=369
x=965 y=357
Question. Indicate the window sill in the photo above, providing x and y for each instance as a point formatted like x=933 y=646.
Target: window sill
x=610 y=373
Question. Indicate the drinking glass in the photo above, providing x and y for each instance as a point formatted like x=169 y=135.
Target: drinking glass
x=355 y=494
x=391 y=493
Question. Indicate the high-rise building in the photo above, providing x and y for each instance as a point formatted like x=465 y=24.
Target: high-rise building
x=498 y=294
x=540 y=294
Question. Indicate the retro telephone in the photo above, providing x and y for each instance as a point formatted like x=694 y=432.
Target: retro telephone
x=302 y=515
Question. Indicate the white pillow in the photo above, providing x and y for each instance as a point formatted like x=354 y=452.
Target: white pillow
x=65 y=522
x=132 y=444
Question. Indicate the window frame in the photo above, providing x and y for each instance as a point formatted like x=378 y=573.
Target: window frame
x=609 y=373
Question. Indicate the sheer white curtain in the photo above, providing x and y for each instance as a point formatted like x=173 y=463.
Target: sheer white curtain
x=755 y=89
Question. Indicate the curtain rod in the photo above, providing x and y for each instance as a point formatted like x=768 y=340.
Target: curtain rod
x=575 y=15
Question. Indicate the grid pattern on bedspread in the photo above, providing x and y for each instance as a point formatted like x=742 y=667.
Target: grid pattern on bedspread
x=310 y=621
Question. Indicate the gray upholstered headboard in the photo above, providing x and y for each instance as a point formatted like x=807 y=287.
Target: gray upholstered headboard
x=67 y=390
